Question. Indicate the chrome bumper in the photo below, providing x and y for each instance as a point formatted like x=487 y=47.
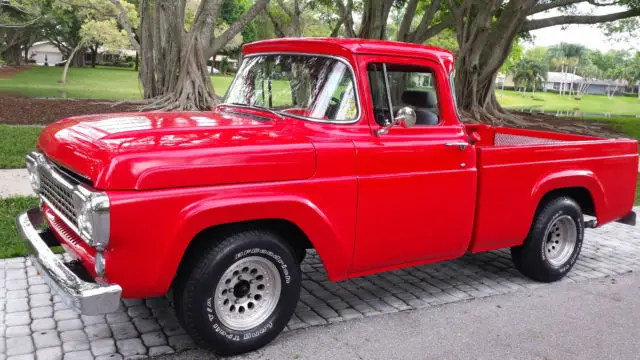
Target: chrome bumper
x=85 y=297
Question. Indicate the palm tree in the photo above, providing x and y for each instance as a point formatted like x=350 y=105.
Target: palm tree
x=529 y=72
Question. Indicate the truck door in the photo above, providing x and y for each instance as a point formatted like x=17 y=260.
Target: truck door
x=417 y=185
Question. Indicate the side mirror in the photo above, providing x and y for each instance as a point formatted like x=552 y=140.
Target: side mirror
x=406 y=117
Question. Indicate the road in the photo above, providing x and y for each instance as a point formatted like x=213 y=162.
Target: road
x=594 y=319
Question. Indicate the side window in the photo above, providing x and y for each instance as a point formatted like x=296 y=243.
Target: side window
x=410 y=86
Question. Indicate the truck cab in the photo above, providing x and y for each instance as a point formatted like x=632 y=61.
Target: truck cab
x=353 y=148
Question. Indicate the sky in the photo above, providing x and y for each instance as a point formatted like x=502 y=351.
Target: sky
x=589 y=35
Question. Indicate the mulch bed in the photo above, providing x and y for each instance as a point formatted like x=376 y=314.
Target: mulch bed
x=8 y=71
x=19 y=110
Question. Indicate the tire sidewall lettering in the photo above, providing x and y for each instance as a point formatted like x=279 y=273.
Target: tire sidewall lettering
x=246 y=335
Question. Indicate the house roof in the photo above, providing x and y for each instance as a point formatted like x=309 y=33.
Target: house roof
x=557 y=77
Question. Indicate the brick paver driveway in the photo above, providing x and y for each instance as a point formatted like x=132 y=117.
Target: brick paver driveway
x=36 y=324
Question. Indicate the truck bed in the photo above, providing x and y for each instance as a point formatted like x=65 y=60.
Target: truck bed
x=517 y=167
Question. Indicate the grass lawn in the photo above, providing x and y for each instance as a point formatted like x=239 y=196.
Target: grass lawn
x=107 y=83
x=15 y=142
x=595 y=104
x=10 y=242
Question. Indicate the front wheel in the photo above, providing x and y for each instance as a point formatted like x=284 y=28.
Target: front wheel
x=241 y=293
x=554 y=241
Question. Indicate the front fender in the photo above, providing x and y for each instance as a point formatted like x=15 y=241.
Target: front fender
x=570 y=179
x=335 y=251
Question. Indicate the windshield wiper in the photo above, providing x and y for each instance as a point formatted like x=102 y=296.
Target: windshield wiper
x=262 y=108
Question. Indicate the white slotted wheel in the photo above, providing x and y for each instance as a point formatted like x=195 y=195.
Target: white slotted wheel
x=247 y=293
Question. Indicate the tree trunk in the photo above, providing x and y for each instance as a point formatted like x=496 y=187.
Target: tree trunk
x=94 y=55
x=26 y=54
x=13 y=55
x=66 y=65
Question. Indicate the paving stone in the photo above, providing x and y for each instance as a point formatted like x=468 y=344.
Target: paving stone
x=43 y=324
x=17 y=331
x=138 y=311
x=311 y=318
x=16 y=305
x=611 y=250
x=160 y=350
x=78 y=355
x=70 y=346
x=117 y=317
x=52 y=353
x=71 y=324
x=17 y=284
x=92 y=320
x=146 y=324
x=44 y=339
x=22 y=357
x=65 y=315
x=41 y=312
x=103 y=347
x=181 y=342
x=155 y=338
x=19 y=345
x=131 y=347
x=38 y=289
x=17 y=318
x=109 y=357
x=40 y=300
x=98 y=331
x=73 y=335
x=16 y=294
x=124 y=331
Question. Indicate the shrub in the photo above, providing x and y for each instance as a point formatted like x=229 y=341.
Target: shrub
x=630 y=94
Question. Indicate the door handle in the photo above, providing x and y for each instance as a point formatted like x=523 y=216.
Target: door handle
x=460 y=144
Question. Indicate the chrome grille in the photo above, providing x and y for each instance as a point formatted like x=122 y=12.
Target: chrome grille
x=59 y=197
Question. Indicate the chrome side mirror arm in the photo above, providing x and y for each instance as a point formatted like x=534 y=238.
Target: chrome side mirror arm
x=406 y=118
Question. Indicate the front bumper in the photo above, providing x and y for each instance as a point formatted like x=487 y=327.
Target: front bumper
x=85 y=297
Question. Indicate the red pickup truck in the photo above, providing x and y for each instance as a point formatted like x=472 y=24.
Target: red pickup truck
x=353 y=148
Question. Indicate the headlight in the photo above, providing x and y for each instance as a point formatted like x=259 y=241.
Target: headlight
x=34 y=176
x=93 y=219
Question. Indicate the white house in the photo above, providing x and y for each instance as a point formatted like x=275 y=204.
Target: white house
x=44 y=52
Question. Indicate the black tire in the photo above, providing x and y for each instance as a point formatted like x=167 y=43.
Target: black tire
x=301 y=254
x=535 y=258
x=196 y=289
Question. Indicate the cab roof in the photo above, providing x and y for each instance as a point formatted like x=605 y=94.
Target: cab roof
x=345 y=47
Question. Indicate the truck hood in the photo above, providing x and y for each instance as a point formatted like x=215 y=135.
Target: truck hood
x=143 y=151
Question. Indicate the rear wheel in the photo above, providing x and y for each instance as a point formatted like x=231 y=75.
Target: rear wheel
x=554 y=241
x=239 y=294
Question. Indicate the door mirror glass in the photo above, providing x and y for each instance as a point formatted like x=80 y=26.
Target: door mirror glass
x=406 y=117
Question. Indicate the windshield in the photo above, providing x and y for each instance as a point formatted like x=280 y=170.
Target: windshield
x=313 y=87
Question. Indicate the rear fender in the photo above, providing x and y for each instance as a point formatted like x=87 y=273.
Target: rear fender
x=335 y=253
x=569 y=179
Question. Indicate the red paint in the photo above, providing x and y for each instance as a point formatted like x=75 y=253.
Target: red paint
x=367 y=203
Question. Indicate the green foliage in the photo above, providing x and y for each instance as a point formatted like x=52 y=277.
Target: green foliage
x=446 y=40
x=15 y=142
x=529 y=72
x=10 y=241
x=517 y=51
